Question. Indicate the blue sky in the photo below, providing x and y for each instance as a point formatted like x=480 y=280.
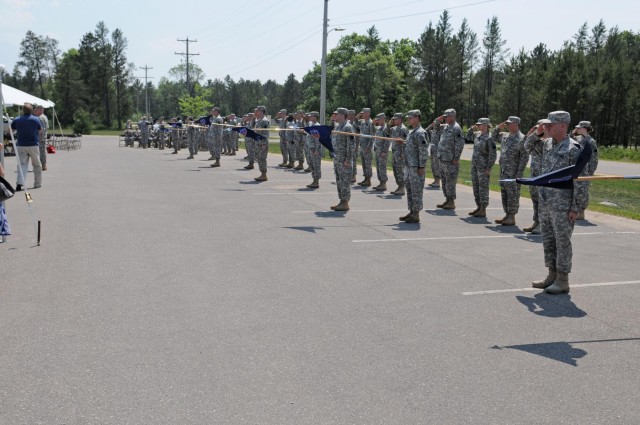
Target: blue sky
x=271 y=39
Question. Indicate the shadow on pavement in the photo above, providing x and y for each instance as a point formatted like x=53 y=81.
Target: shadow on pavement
x=585 y=223
x=475 y=220
x=330 y=214
x=498 y=228
x=442 y=213
x=547 y=305
x=310 y=229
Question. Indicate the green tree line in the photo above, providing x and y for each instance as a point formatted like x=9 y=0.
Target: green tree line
x=595 y=76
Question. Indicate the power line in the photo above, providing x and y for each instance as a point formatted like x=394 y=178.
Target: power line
x=186 y=55
x=146 y=87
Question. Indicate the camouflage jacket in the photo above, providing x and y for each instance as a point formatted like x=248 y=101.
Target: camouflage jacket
x=559 y=155
x=366 y=127
x=417 y=148
x=484 y=150
x=593 y=162
x=533 y=146
x=215 y=130
x=513 y=157
x=450 y=142
x=344 y=146
x=399 y=132
x=382 y=145
x=262 y=123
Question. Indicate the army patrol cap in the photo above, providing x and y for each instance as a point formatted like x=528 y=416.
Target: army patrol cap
x=414 y=113
x=351 y=111
x=250 y=114
x=450 y=113
x=483 y=121
x=543 y=121
x=300 y=111
x=283 y=111
x=261 y=108
x=398 y=115
x=314 y=114
x=584 y=124
x=216 y=109
x=342 y=111
x=381 y=115
x=366 y=110
x=559 y=117
x=513 y=120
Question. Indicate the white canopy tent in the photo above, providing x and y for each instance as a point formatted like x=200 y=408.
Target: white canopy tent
x=15 y=97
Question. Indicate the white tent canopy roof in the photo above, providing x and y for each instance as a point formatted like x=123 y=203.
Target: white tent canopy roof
x=12 y=96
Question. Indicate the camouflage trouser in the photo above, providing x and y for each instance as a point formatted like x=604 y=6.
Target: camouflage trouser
x=42 y=145
x=144 y=139
x=355 y=159
x=262 y=149
x=226 y=142
x=449 y=175
x=161 y=140
x=176 y=141
x=217 y=147
x=307 y=154
x=398 y=163
x=510 y=192
x=235 y=140
x=292 y=151
x=535 y=198
x=284 y=149
x=587 y=195
x=315 y=162
x=435 y=164
x=343 y=179
x=202 y=141
x=415 y=188
x=193 y=144
x=367 y=159
x=556 y=237
x=250 y=146
x=300 y=150
x=381 y=165
x=480 y=182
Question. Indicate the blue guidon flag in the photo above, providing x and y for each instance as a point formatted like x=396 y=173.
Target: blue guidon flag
x=204 y=121
x=562 y=178
x=324 y=131
x=246 y=131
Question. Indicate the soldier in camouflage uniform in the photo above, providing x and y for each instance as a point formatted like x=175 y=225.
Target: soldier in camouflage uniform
x=415 y=161
x=381 y=149
x=307 y=152
x=143 y=127
x=450 y=141
x=281 y=119
x=162 y=134
x=344 y=147
x=559 y=208
x=215 y=136
x=314 y=147
x=513 y=161
x=581 y=134
x=366 y=127
x=298 y=140
x=192 y=138
x=249 y=143
x=233 y=135
x=433 y=157
x=353 y=120
x=533 y=145
x=262 y=146
x=398 y=131
x=482 y=160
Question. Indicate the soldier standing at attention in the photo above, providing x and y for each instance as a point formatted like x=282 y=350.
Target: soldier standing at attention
x=344 y=149
x=533 y=145
x=559 y=208
x=249 y=143
x=366 y=128
x=433 y=157
x=143 y=126
x=483 y=158
x=298 y=140
x=233 y=135
x=513 y=161
x=398 y=131
x=352 y=119
x=581 y=134
x=314 y=147
x=215 y=135
x=192 y=138
x=415 y=161
x=161 y=133
x=450 y=142
x=381 y=149
x=281 y=119
x=262 y=146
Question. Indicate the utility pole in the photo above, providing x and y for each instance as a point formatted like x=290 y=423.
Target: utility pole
x=186 y=55
x=146 y=88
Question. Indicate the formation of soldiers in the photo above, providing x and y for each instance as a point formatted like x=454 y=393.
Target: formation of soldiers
x=359 y=136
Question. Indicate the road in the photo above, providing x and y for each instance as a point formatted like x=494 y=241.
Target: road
x=169 y=292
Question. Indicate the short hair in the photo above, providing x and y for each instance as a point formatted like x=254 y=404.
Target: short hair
x=27 y=108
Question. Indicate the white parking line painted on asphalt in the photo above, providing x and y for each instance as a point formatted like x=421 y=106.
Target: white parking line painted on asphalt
x=295 y=193
x=519 y=235
x=579 y=285
x=311 y=212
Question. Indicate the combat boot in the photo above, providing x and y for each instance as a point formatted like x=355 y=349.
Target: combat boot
x=353 y=179
x=250 y=166
x=414 y=217
x=366 y=182
x=399 y=191
x=482 y=212
x=282 y=164
x=435 y=183
x=300 y=166
x=261 y=178
x=314 y=184
x=450 y=205
x=510 y=220
x=216 y=164
x=560 y=286
x=190 y=157
x=475 y=211
x=342 y=206
x=547 y=281
x=532 y=228
x=308 y=169
x=500 y=220
x=381 y=187
x=233 y=153
x=404 y=217
x=536 y=230
x=446 y=201
x=579 y=217
x=290 y=165
x=211 y=158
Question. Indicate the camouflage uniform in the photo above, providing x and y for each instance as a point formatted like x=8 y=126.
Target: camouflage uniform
x=355 y=124
x=450 y=143
x=262 y=146
x=233 y=135
x=143 y=126
x=344 y=147
x=416 y=154
x=290 y=137
x=433 y=155
x=483 y=158
x=593 y=162
x=315 y=154
x=555 y=204
x=366 y=128
x=249 y=143
x=381 y=148
x=398 y=153
x=192 y=140
x=298 y=139
x=284 y=146
x=214 y=136
x=513 y=161
x=533 y=145
x=162 y=136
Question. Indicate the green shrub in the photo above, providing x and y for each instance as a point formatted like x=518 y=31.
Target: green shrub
x=619 y=154
x=82 y=122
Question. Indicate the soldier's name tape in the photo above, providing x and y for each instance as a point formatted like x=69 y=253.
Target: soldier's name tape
x=573 y=286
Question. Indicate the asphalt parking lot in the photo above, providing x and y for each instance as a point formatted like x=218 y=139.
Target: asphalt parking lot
x=169 y=292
